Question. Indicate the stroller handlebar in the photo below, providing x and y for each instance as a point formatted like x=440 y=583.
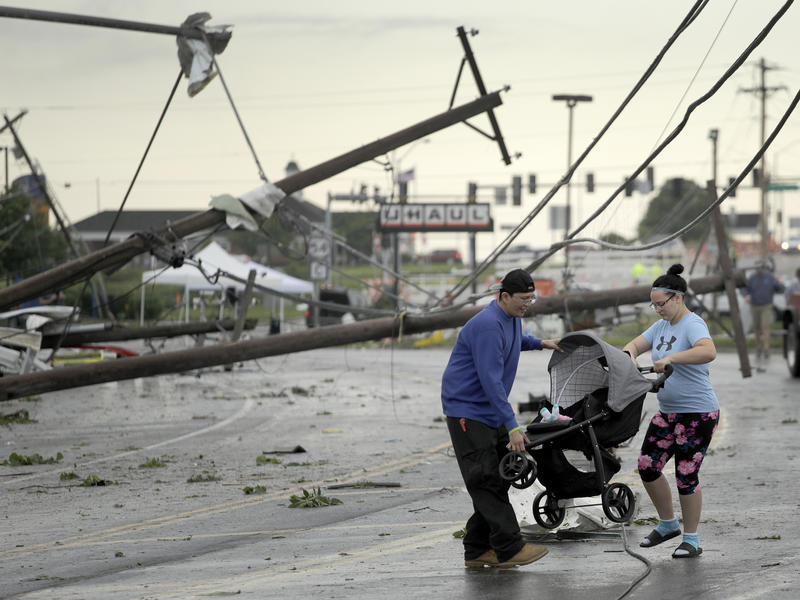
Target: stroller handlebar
x=658 y=383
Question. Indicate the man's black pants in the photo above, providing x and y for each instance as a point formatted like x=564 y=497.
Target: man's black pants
x=478 y=449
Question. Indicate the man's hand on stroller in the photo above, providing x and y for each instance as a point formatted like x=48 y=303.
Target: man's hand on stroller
x=517 y=440
x=551 y=345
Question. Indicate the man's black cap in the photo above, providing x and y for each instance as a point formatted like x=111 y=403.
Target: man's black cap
x=517 y=281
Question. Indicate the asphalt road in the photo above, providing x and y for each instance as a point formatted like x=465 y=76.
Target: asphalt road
x=367 y=418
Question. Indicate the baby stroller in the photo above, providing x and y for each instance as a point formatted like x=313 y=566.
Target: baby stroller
x=602 y=392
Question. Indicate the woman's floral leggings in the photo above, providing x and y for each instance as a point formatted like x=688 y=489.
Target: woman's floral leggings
x=685 y=435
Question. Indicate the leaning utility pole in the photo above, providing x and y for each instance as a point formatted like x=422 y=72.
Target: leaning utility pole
x=728 y=275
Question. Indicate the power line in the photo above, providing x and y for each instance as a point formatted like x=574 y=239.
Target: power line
x=694 y=11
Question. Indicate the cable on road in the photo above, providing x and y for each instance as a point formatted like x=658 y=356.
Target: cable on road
x=648 y=564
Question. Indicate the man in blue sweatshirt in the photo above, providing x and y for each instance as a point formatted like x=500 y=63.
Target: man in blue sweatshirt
x=482 y=425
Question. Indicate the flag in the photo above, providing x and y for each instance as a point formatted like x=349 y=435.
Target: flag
x=405 y=176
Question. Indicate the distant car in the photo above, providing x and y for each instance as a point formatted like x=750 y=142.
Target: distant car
x=791 y=246
x=350 y=300
x=449 y=257
x=517 y=256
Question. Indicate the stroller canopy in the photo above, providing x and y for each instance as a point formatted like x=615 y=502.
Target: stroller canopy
x=587 y=364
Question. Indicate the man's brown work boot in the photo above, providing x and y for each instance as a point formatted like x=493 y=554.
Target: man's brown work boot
x=487 y=559
x=526 y=556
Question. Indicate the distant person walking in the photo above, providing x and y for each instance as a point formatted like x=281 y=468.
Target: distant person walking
x=688 y=411
x=761 y=287
x=482 y=425
x=794 y=286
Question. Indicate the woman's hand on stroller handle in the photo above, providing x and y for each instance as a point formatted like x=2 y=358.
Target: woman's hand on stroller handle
x=667 y=368
x=665 y=372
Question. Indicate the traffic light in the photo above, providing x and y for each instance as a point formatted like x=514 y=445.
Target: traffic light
x=472 y=192
x=516 y=190
x=531 y=184
x=651 y=178
x=628 y=186
x=731 y=181
x=590 y=182
x=756 y=177
x=403 y=192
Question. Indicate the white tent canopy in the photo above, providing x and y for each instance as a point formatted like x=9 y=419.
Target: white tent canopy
x=213 y=258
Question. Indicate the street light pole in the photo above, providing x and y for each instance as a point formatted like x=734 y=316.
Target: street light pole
x=571 y=100
x=5 y=148
x=713 y=135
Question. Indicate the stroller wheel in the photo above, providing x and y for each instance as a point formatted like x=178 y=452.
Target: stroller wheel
x=514 y=466
x=526 y=480
x=546 y=510
x=618 y=502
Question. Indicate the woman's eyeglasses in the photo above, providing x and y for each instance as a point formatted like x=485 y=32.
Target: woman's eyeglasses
x=657 y=305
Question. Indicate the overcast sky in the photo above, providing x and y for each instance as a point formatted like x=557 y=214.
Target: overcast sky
x=315 y=79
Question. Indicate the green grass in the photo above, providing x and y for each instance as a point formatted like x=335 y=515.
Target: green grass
x=20 y=417
x=19 y=460
x=203 y=477
x=311 y=499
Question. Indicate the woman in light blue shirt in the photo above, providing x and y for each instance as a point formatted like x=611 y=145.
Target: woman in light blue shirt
x=688 y=411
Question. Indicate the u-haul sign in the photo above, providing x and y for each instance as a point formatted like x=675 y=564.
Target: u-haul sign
x=435 y=217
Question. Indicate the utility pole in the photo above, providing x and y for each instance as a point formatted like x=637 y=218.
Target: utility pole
x=762 y=90
x=571 y=100
x=120 y=253
x=39 y=382
x=713 y=135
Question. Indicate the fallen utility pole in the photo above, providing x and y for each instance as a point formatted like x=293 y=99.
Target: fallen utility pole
x=73 y=19
x=322 y=337
x=118 y=254
x=118 y=333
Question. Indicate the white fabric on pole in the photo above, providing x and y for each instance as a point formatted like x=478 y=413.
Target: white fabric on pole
x=261 y=200
x=236 y=215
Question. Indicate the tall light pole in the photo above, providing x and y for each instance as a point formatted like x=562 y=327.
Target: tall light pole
x=571 y=100
x=5 y=149
x=713 y=135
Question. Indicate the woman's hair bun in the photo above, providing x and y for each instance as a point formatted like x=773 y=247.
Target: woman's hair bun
x=675 y=269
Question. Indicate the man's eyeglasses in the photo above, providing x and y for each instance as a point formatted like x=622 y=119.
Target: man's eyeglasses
x=530 y=300
x=657 y=305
